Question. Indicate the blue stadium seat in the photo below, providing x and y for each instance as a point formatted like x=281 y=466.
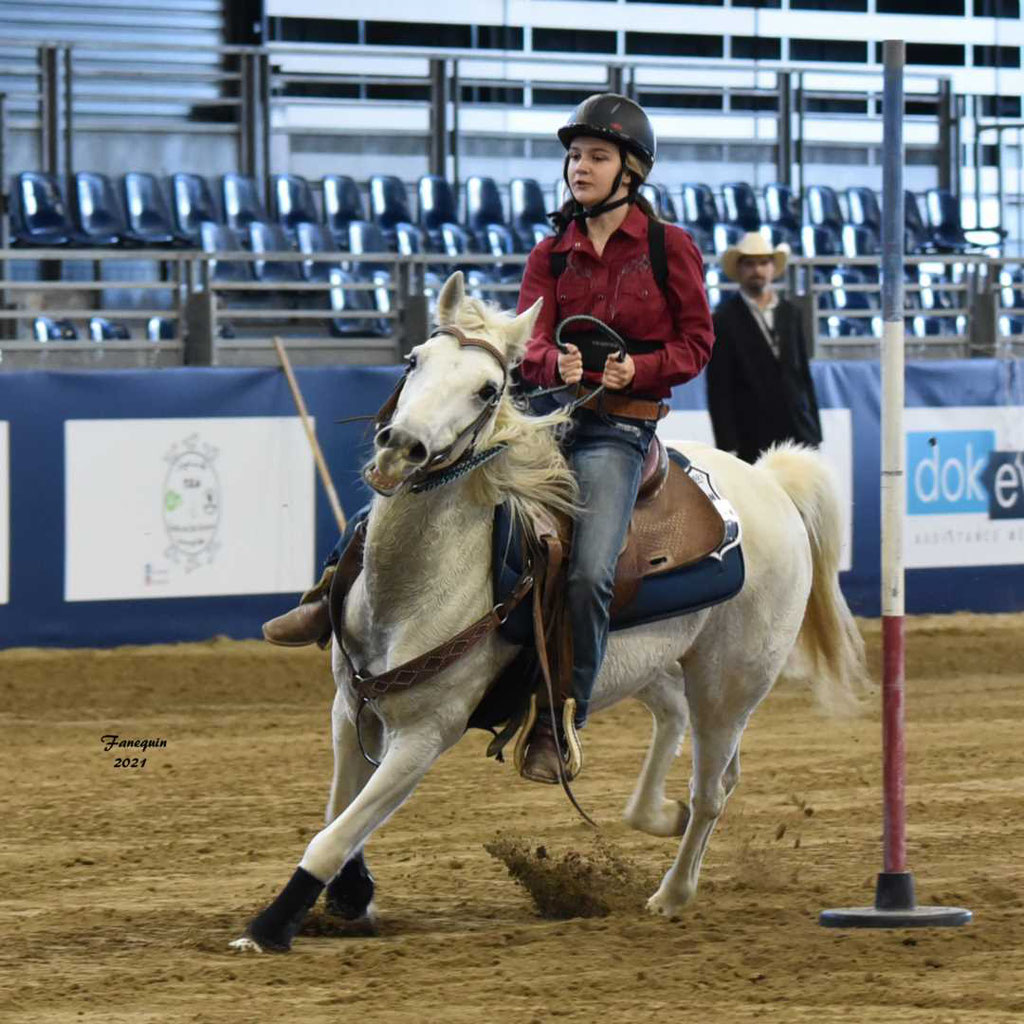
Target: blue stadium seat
x=99 y=219
x=723 y=236
x=366 y=237
x=483 y=205
x=864 y=209
x=499 y=241
x=437 y=204
x=700 y=215
x=527 y=212
x=389 y=205
x=661 y=201
x=845 y=300
x=820 y=241
x=192 y=205
x=916 y=236
x=1011 y=296
x=342 y=205
x=740 y=206
x=149 y=216
x=161 y=328
x=39 y=215
x=46 y=329
x=938 y=306
x=271 y=238
x=781 y=220
x=242 y=202
x=823 y=209
x=315 y=238
x=946 y=227
x=293 y=201
x=102 y=329
x=218 y=238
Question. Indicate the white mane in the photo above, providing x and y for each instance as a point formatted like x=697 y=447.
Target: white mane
x=531 y=474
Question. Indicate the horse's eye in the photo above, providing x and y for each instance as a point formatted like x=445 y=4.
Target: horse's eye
x=488 y=393
x=410 y=362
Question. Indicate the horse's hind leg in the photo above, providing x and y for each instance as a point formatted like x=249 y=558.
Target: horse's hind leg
x=648 y=809
x=714 y=750
x=350 y=892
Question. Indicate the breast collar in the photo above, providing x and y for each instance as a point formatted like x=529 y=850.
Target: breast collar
x=429 y=475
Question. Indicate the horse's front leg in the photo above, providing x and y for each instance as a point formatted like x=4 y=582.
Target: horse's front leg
x=350 y=892
x=410 y=752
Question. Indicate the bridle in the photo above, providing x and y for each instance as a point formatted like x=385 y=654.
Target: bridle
x=427 y=477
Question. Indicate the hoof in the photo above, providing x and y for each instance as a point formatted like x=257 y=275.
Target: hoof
x=665 y=904
x=245 y=945
x=670 y=821
x=350 y=892
x=274 y=927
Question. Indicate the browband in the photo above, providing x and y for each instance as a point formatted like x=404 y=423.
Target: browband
x=467 y=342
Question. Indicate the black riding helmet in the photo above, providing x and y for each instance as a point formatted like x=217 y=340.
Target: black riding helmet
x=607 y=115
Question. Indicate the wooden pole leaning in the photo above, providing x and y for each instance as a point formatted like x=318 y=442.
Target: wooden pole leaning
x=307 y=423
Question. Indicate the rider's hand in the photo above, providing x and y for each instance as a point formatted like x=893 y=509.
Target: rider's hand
x=570 y=365
x=618 y=375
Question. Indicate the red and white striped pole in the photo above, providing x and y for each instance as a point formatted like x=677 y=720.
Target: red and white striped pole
x=895 y=904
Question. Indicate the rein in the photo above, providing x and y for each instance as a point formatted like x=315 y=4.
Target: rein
x=426 y=478
x=425 y=666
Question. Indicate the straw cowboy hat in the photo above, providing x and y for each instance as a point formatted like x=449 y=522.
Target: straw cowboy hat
x=753 y=243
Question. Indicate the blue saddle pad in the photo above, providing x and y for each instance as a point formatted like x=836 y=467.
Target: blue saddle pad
x=686 y=589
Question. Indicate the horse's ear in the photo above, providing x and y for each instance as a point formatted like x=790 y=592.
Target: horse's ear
x=452 y=295
x=521 y=330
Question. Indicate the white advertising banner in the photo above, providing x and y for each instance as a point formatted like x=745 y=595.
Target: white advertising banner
x=187 y=507
x=965 y=486
x=836 y=448
x=5 y=514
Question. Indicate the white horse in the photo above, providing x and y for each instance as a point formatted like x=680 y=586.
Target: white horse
x=427 y=575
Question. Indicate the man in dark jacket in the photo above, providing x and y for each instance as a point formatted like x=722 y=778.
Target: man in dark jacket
x=759 y=380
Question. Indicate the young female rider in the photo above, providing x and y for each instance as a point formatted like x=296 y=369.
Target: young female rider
x=599 y=263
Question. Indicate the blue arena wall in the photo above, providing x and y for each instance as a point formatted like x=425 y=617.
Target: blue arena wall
x=976 y=402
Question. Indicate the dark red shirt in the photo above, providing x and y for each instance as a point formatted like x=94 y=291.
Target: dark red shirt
x=619 y=288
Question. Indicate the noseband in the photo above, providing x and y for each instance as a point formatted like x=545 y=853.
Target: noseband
x=425 y=478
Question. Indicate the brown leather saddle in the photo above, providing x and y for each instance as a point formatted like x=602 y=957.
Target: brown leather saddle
x=674 y=524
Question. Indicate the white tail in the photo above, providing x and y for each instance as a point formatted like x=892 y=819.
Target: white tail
x=829 y=645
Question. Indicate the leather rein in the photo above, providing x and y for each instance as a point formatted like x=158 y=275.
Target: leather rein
x=428 y=475
x=434 y=661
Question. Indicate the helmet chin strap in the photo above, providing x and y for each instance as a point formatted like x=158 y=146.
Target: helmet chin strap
x=584 y=213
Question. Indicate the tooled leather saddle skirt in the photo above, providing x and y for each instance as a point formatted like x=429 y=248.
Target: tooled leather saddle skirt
x=682 y=550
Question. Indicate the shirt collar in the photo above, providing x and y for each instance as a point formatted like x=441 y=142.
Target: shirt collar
x=634 y=225
x=772 y=302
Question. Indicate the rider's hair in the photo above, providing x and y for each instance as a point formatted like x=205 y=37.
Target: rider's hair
x=638 y=170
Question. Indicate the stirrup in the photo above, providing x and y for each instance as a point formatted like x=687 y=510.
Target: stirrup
x=573 y=749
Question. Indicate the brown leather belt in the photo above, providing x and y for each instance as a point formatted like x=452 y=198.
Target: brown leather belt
x=622 y=405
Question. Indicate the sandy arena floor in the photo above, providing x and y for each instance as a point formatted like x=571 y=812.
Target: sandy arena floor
x=121 y=887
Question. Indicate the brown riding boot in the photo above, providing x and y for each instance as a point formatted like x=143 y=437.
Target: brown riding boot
x=309 y=623
x=537 y=753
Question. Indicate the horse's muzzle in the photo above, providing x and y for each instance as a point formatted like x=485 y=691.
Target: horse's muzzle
x=398 y=454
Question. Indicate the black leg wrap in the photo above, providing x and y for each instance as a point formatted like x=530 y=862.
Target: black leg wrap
x=275 y=927
x=350 y=892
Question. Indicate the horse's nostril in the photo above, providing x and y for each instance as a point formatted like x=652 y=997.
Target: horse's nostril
x=418 y=453
x=384 y=437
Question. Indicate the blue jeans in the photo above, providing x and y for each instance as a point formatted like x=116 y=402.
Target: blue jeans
x=606 y=455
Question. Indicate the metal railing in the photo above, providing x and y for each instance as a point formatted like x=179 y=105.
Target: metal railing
x=372 y=307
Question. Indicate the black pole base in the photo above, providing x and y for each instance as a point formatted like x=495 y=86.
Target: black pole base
x=895 y=907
